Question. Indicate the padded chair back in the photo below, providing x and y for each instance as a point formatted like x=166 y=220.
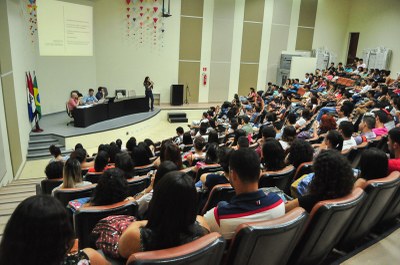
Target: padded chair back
x=208 y=169
x=137 y=184
x=392 y=211
x=205 y=250
x=221 y=192
x=66 y=195
x=267 y=242
x=280 y=179
x=93 y=177
x=86 y=218
x=69 y=113
x=143 y=170
x=328 y=221
x=351 y=154
x=47 y=185
x=380 y=193
x=304 y=168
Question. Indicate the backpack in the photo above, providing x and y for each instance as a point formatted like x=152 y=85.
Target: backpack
x=107 y=232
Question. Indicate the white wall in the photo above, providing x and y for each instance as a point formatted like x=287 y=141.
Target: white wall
x=6 y=174
x=331 y=27
x=378 y=23
x=23 y=59
x=124 y=63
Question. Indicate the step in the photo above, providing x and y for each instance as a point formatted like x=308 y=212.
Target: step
x=12 y=198
x=42 y=142
x=43 y=147
x=45 y=154
x=177 y=115
x=35 y=136
x=176 y=120
x=17 y=189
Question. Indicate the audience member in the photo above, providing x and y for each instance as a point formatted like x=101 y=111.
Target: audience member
x=250 y=203
x=54 y=170
x=373 y=165
x=300 y=152
x=72 y=176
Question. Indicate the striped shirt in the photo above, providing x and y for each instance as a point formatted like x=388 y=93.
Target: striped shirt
x=244 y=208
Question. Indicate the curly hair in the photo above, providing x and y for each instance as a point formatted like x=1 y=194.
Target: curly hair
x=273 y=155
x=333 y=175
x=300 y=151
x=289 y=134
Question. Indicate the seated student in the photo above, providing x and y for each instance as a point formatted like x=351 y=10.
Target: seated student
x=203 y=131
x=199 y=143
x=171 y=218
x=209 y=180
x=394 y=148
x=150 y=144
x=113 y=150
x=273 y=155
x=300 y=152
x=143 y=198
x=187 y=142
x=90 y=99
x=54 y=170
x=212 y=137
x=266 y=132
x=56 y=153
x=366 y=125
x=237 y=134
x=171 y=152
x=333 y=178
x=333 y=140
x=112 y=188
x=131 y=144
x=380 y=120
x=246 y=126
x=140 y=156
x=124 y=162
x=179 y=138
x=305 y=116
x=373 y=165
x=72 y=176
x=243 y=142
x=80 y=154
x=346 y=128
x=288 y=136
x=100 y=93
x=250 y=204
x=38 y=232
x=100 y=162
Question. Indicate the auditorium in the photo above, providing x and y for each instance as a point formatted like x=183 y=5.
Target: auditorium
x=217 y=132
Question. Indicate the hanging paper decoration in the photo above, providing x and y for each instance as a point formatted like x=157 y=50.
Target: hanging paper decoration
x=32 y=21
x=145 y=22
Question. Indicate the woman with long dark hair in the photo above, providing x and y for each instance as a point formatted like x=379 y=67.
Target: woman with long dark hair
x=39 y=232
x=148 y=86
x=171 y=218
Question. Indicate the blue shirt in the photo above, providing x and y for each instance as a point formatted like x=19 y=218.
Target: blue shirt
x=89 y=99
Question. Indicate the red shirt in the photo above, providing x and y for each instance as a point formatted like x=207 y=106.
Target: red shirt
x=72 y=103
x=394 y=165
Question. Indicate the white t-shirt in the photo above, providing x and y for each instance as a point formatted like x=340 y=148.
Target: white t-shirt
x=347 y=144
x=341 y=119
x=301 y=122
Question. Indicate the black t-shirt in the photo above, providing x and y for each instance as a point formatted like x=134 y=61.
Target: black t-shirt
x=215 y=179
x=309 y=201
x=148 y=86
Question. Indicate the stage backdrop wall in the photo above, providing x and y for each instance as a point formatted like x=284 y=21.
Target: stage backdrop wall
x=122 y=62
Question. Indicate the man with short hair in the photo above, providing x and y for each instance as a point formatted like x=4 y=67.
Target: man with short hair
x=246 y=126
x=346 y=129
x=179 y=138
x=90 y=99
x=250 y=203
x=365 y=127
x=380 y=120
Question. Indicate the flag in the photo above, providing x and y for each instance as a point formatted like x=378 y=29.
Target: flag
x=31 y=100
x=37 y=97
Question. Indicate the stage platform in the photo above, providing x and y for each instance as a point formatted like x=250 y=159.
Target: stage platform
x=56 y=124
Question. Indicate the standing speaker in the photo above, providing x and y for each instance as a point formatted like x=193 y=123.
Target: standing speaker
x=176 y=95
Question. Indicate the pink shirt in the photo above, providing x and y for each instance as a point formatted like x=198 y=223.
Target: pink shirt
x=72 y=103
x=380 y=131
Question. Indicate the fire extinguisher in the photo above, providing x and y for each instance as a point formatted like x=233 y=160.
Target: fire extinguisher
x=204 y=79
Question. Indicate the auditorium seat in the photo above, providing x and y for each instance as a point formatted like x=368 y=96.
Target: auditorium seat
x=380 y=193
x=304 y=168
x=221 y=192
x=210 y=168
x=67 y=195
x=86 y=218
x=143 y=170
x=205 y=250
x=138 y=184
x=267 y=242
x=93 y=177
x=280 y=179
x=327 y=222
x=47 y=185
